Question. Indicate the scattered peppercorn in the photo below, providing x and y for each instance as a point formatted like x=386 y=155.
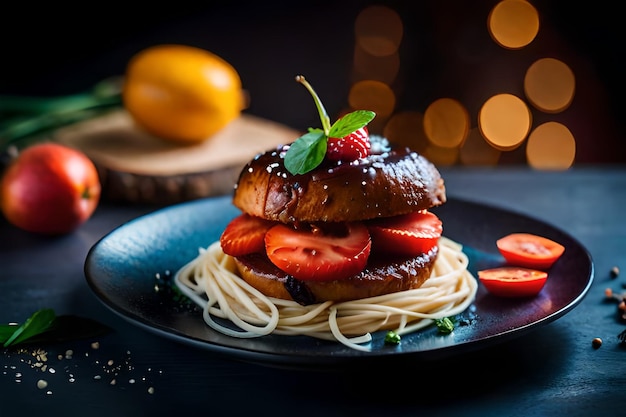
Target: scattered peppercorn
x=614 y=272
x=596 y=343
x=56 y=368
x=611 y=295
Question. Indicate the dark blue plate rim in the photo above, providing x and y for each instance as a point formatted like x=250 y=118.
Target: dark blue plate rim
x=124 y=267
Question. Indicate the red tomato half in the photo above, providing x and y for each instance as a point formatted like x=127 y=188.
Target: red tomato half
x=512 y=281
x=410 y=234
x=530 y=251
x=316 y=255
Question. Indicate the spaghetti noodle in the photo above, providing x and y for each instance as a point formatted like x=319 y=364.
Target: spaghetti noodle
x=210 y=280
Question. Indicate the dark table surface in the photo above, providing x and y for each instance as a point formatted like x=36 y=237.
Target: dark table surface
x=548 y=371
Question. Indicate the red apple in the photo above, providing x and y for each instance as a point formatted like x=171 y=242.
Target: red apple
x=49 y=189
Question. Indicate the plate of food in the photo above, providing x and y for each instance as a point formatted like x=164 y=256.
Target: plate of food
x=336 y=248
x=132 y=270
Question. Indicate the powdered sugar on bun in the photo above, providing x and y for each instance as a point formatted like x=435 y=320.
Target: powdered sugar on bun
x=389 y=183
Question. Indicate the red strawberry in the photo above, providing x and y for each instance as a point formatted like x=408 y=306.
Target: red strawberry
x=349 y=148
x=245 y=234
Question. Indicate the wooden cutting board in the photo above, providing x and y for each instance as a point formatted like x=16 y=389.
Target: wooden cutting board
x=137 y=167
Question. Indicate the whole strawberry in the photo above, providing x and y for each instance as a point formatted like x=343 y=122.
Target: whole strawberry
x=346 y=140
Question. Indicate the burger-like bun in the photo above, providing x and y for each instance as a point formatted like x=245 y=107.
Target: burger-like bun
x=384 y=184
x=380 y=277
x=381 y=185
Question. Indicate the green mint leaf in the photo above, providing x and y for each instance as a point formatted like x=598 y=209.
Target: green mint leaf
x=38 y=323
x=307 y=152
x=350 y=123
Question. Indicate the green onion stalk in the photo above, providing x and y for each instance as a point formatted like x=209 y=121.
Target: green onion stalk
x=25 y=120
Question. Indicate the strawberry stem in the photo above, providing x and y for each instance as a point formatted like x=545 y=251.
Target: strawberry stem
x=318 y=103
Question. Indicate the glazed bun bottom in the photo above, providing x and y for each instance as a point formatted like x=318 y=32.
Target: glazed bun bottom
x=380 y=277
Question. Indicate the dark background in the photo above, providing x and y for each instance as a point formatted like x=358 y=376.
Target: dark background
x=56 y=50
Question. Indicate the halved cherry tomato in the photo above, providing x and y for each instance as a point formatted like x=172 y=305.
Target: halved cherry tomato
x=318 y=255
x=530 y=251
x=510 y=281
x=410 y=234
x=245 y=234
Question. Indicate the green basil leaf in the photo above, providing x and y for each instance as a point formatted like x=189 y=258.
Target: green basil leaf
x=70 y=327
x=307 y=152
x=43 y=327
x=350 y=123
x=39 y=322
x=6 y=331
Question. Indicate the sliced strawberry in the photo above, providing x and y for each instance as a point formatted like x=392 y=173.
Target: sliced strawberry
x=349 y=148
x=245 y=234
x=318 y=255
x=410 y=234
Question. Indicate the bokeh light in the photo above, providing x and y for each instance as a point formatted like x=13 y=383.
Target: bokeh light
x=407 y=129
x=513 y=24
x=373 y=95
x=551 y=146
x=549 y=85
x=441 y=156
x=504 y=121
x=372 y=67
x=476 y=151
x=378 y=30
x=446 y=123
x=468 y=129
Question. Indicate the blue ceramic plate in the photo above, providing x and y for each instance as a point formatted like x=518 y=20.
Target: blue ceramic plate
x=126 y=267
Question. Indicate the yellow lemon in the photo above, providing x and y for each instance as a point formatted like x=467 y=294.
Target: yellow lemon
x=182 y=93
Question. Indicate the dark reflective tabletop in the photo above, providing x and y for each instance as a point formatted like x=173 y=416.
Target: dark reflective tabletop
x=553 y=369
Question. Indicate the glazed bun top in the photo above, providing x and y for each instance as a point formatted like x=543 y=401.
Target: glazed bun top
x=384 y=184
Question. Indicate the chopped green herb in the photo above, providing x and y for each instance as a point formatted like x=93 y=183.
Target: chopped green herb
x=445 y=325
x=392 y=338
